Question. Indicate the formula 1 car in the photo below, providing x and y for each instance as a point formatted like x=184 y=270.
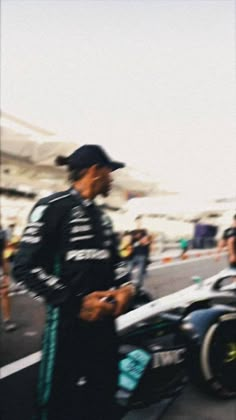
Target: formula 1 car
x=188 y=334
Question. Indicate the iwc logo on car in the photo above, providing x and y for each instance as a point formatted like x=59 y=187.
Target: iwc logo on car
x=165 y=358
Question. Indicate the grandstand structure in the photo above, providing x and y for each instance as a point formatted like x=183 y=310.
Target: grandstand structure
x=28 y=172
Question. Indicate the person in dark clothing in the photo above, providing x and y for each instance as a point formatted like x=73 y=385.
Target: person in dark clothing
x=140 y=243
x=7 y=323
x=68 y=256
x=148 y=246
x=228 y=241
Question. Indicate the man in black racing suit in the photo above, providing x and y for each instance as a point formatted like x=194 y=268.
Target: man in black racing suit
x=68 y=256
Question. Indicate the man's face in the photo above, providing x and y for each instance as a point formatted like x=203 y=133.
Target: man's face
x=103 y=182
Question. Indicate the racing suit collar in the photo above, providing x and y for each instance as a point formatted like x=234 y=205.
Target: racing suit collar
x=86 y=201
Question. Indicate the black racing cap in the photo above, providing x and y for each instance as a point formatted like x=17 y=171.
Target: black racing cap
x=87 y=156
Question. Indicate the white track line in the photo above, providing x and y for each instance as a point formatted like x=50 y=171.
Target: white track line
x=20 y=364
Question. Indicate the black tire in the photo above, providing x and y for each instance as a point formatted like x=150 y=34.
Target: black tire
x=217 y=357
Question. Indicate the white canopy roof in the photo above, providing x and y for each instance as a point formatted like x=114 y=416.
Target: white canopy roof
x=30 y=143
x=28 y=154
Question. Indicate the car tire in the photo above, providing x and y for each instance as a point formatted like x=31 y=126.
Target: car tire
x=217 y=358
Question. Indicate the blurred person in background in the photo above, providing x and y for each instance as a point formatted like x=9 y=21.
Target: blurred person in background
x=125 y=247
x=9 y=254
x=68 y=255
x=140 y=245
x=184 y=246
x=11 y=249
x=10 y=232
x=8 y=325
x=149 y=244
x=228 y=242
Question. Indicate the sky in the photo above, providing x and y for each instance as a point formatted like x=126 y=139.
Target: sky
x=153 y=81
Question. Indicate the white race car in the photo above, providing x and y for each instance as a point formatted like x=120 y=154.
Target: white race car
x=190 y=333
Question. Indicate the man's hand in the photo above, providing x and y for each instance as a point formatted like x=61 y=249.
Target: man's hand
x=94 y=307
x=122 y=297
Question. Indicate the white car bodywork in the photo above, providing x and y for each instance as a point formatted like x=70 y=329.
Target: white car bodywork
x=209 y=289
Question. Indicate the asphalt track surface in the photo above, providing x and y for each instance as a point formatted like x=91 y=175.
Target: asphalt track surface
x=18 y=388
